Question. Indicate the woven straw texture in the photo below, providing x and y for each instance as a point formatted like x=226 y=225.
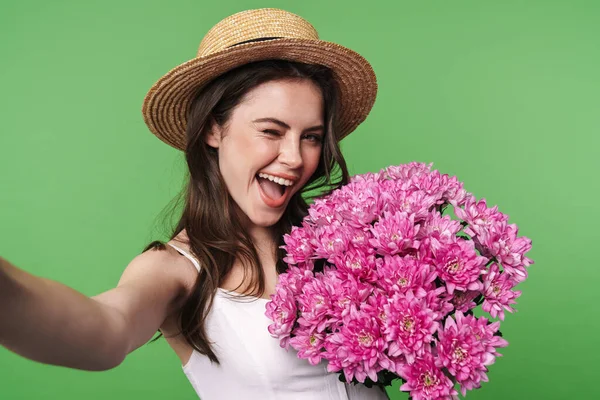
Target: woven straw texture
x=226 y=46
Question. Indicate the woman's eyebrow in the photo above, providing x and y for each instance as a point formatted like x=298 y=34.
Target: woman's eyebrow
x=286 y=126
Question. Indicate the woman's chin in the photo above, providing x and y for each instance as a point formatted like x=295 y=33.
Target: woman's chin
x=265 y=222
x=265 y=219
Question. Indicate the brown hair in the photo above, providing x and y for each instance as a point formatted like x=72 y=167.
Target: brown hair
x=216 y=237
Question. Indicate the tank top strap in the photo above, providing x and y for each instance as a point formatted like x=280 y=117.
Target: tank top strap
x=186 y=255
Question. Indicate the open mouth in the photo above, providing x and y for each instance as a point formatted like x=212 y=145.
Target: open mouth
x=274 y=191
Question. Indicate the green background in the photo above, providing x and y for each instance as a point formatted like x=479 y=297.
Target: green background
x=504 y=95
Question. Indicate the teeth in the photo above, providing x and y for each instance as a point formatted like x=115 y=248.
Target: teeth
x=281 y=181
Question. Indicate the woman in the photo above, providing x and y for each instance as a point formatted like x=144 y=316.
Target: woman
x=259 y=114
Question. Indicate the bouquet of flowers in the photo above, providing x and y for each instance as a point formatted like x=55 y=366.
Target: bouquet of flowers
x=382 y=285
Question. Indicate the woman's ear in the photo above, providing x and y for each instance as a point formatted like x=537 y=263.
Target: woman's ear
x=213 y=136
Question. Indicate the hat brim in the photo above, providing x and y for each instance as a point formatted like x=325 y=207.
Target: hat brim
x=166 y=103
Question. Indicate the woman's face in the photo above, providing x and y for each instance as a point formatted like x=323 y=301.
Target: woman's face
x=270 y=147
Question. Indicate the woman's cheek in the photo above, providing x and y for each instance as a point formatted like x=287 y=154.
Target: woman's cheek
x=311 y=159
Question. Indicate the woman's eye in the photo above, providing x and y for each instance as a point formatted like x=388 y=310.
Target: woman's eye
x=314 y=138
x=271 y=132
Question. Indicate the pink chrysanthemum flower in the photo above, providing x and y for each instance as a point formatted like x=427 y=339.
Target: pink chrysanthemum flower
x=460 y=266
x=439 y=231
x=409 y=325
x=367 y=177
x=361 y=205
x=420 y=204
x=315 y=304
x=346 y=292
x=329 y=241
x=466 y=347
x=487 y=333
x=295 y=278
x=509 y=250
x=406 y=172
x=401 y=274
x=433 y=184
x=392 y=197
x=425 y=381
x=282 y=310
x=297 y=245
x=440 y=301
x=374 y=305
x=478 y=216
x=309 y=345
x=359 y=264
x=322 y=212
x=455 y=194
x=359 y=239
x=357 y=348
x=461 y=352
x=498 y=293
x=394 y=233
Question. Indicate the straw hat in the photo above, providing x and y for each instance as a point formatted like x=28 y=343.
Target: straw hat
x=256 y=35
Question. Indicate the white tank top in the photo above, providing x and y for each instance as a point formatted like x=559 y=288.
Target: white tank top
x=253 y=365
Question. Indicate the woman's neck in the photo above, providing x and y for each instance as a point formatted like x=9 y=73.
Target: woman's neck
x=264 y=240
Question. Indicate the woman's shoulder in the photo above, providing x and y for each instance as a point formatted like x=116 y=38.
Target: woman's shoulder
x=169 y=259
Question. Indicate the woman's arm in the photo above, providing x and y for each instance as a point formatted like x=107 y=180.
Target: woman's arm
x=51 y=323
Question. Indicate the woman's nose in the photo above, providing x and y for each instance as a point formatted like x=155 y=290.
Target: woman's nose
x=290 y=154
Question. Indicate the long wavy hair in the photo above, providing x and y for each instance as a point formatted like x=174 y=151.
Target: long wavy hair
x=209 y=215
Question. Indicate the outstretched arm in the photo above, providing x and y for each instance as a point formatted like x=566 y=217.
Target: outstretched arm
x=51 y=323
